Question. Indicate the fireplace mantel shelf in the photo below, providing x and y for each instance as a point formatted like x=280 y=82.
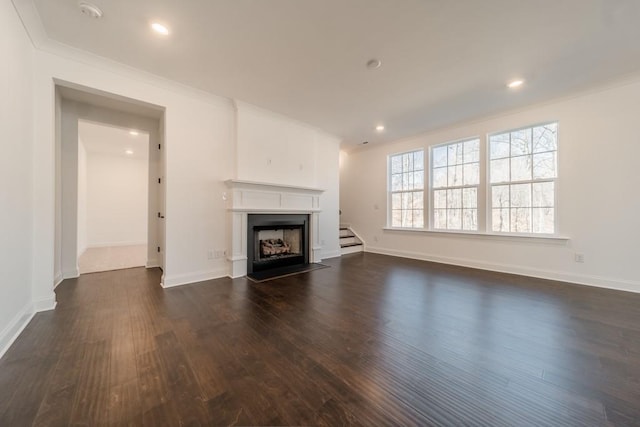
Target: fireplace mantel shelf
x=269 y=211
x=237 y=183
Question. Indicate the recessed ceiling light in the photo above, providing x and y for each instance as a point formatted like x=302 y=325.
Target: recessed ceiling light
x=515 y=83
x=129 y=152
x=134 y=132
x=160 y=29
x=374 y=63
x=90 y=9
x=379 y=128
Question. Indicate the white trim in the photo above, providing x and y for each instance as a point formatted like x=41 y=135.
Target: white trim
x=270 y=211
x=391 y=192
x=270 y=186
x=331 y=254
x=490 y=185
x=34 y=27
x=31 y=21
x=188 y=278
x=57 y=280
x=611 y=84
x=240 y=105
x=351 y=250
x=15 y=327
x=429 y=222
x=492 y=236
x=355 y=233
x=580 y=279
x=114 y=244
x=45 y=304
x=152 y=263
x=71 y=274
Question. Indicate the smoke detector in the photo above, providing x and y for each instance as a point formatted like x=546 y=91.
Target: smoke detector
x=90 y=9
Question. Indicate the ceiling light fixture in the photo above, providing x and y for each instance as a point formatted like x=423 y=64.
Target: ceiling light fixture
x=365 y=142
x=134 y=132
x=515 y=83
x=379 y=128
x=374 y=63
x=90 y=9
x=160 y=29
x=129 y=152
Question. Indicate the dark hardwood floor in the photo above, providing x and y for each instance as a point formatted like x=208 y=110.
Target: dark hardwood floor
x=373 y=340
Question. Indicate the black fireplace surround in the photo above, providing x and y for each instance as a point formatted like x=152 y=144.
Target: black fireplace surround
x=277 y=240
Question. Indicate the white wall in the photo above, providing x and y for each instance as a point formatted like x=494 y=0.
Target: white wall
x=68 y=204
x=199 y=148
x=599 y=148
x=16 y=169
x=275 y=149
x=116 y=199
x=82 y=198
x=328 y=178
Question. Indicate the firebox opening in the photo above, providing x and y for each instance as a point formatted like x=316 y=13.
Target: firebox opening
x=276 y=241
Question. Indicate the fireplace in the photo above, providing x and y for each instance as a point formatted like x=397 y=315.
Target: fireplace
x=261 y=205
x=277 y=241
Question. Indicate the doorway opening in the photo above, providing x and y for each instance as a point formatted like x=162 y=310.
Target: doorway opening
x=109 y=182
x=113 y=185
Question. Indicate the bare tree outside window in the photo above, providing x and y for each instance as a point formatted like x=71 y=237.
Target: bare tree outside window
x=523 y=173
x=455 y=169
x=406 y=185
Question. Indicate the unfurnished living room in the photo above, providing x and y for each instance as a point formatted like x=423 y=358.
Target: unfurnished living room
x=336 y=212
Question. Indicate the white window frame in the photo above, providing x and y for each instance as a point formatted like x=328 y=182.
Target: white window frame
x=490 y=185
x=477 y=186
x=390 y=191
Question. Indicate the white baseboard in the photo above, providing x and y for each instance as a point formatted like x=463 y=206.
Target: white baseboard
x=600 y=282
x=15 y=327
x=111 y=244
x=71 y=274
x=331 y=254
x=82 y=250
x=57 y=279
x=200 y=276
x=45 y=304
x=152 y=263
x=351 y=250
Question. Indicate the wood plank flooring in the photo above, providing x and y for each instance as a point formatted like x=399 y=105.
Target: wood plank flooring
x=373 y=340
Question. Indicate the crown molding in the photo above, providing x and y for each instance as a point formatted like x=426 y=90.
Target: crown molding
x=32 y=23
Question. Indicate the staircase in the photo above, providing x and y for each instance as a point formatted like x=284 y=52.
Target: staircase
x=349 y=242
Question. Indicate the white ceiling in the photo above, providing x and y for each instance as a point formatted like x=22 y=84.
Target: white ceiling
x=103 y=139
x=443 y=61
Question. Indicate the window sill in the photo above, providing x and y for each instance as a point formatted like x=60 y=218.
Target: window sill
x=481 y=235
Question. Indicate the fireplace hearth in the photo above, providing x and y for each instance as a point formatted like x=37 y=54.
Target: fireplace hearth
x=276 y=241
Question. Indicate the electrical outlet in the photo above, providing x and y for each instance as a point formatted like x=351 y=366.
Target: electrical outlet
x=375 y=238
x=579 y=257
x=210 y=254
x=220 y=253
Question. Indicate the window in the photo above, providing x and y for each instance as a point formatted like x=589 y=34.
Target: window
x=455 y=175
x=406 y=184
x=522 y=176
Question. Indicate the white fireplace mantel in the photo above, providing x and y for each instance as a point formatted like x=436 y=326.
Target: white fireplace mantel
x=247 y=197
